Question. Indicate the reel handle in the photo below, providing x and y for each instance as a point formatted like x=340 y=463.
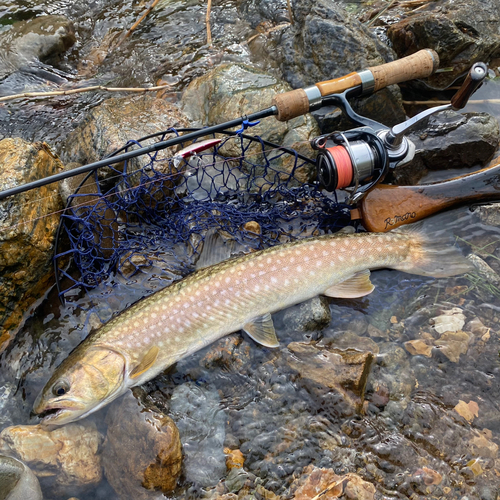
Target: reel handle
x=472 y=82
x=300 y=101
x=387 y=207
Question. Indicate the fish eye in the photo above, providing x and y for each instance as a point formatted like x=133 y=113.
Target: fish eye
x=60 y=388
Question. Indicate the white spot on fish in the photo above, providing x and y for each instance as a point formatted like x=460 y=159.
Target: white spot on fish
x=273 y=279
x=312 y=273
x=269 y=260
x=287 y=282
x=341 y=258
x=299 y=269
x=257 y=288
x=319 y=263
x=160 y=344
x=177 y=339
x=292 y=260
x=228 y=279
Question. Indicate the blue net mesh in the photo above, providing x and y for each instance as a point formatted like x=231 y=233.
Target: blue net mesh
x=153 y=213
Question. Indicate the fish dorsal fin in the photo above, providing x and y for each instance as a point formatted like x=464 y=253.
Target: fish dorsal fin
x=261 y=329
x=215 y=249
x=146 y=362
x=357 y=285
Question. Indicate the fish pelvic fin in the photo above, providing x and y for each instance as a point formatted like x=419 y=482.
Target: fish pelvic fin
x=261 y=330
x=433 y=251
x=358 y=285
x=146 y=362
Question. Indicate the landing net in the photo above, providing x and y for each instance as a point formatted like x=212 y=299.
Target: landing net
x=154 y=214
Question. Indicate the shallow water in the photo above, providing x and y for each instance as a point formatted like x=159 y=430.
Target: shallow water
x=254 y=399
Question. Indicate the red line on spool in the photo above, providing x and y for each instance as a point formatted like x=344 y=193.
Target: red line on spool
x=344 y=166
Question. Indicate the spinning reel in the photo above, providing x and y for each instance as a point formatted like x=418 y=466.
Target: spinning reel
x=360 y=158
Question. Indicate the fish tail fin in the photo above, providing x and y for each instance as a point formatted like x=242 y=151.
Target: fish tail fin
x=433 y=250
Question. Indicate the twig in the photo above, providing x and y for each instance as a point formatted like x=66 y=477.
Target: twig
x=78 y=91
x=433 y=103
x=270 y=30
x=383 y=11
x=330 y=487
x=207 y=21
x=290 y=14
x=134 y=26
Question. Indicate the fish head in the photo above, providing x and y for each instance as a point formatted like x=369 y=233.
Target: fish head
x=82 y=384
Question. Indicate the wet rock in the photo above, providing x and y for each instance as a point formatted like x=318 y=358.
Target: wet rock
x=450 y=140
x=42 y=39
x=484 y=270
x=460 y=35
x=341 y=373
x=65 y=460
x=28 y=223
x=116 y=121
x=17 y=482
x=142 y=452
x=326 y=42
x=451 y=320
x=419 y=346
x=233 y=90
x=311 y=315
x=489 y=214
x=201 y=422
x=324 y=483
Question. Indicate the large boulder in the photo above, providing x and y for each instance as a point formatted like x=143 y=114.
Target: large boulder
x=116 y=121
x=233 y=90
x=326 y=42
x=28 y=224
x=460 y=34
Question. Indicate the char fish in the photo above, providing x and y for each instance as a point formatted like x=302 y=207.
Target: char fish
x=240 y=293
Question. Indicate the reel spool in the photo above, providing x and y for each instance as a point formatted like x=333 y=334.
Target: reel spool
x=350 y=159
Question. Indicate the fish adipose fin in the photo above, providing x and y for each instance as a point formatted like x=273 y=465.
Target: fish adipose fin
x=261 y=329
x=433 y=251
x=146 y=362
x=357 y=285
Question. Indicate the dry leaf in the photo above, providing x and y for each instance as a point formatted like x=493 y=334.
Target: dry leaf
x=429 y=476
x=467 y=410
x=418 y=346
x=394 y=320
x=452 y=320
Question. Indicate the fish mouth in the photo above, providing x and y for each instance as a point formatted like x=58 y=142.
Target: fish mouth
x=58 y=414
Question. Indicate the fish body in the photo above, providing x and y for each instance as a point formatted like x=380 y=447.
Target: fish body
x=236 y=294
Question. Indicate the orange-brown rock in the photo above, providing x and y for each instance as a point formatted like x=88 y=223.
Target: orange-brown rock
x=28 y=223
x=142 y=452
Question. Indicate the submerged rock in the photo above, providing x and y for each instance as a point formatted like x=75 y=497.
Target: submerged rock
x=42 y=39
x=340 y=373
x=17 y=482
x=201 y=421
x=66 y=460
x=142 y=452
x=28 y=224
x=311 y=315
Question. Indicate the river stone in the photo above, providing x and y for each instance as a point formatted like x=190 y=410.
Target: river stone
x=116 y=121
x=197 y=413
x=43 y=39
x=26 y=249
x=142 y=452
x=312 y=315
x=450 y=140
x=65 y=460
x=341 y=373
x=461 y=36
x=17 y=482
x=327 y=42
x=233 y=90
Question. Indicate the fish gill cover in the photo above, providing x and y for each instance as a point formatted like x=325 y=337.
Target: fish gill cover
x=153 y=213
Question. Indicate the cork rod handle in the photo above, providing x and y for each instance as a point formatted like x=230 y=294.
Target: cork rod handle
x=419 y=65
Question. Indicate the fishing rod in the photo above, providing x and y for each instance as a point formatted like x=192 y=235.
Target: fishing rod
x=284 y=107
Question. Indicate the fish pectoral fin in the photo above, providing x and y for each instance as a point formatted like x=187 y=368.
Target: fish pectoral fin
x=357 y=285
x=146 y=362
x=261 y=329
